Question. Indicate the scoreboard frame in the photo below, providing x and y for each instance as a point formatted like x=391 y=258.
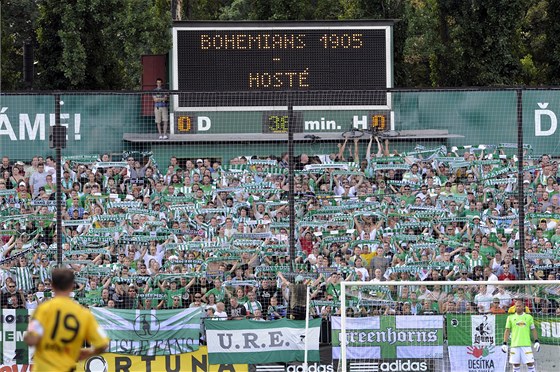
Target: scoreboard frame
x=280 y=28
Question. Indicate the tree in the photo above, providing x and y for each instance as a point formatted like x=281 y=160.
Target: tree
x=384 y=9
x=17 y=19
x=421 y=45
x=481 y=37
x=552 y=45
x=97 y=44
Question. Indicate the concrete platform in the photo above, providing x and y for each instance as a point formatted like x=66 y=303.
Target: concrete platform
x=404 y=135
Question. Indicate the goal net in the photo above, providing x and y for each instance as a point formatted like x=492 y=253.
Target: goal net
x=440 y=325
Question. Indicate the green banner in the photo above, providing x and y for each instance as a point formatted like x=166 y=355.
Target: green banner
x=548 y=328
x=462 y=329
x=148 y=333
x=254 y=342
x=474 y=342
x=541 y=110
x=390 y=337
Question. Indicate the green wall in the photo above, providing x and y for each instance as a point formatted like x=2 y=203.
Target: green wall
x=96 y=123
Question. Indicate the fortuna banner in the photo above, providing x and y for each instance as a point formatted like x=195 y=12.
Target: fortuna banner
x=390 y=337
x=256 y=342
x=150 y=332
x=472 y=341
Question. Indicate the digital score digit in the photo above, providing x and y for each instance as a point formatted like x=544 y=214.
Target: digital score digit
x=379 y=121
x=184 y=124
x=279 y=122
x=342 y=41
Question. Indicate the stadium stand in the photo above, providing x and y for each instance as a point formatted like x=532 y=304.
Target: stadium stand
x=198 y=233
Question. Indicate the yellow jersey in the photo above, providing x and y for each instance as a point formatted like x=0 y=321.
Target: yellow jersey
x=511 y=310
x=64 y=326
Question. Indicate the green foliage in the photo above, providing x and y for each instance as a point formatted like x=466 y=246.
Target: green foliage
x=421 y=44
x=206 y=9
x=238 y=10
x=17 y=17
x=98 y=44
x=534 y=46
x=480 y=37
x=552 y=41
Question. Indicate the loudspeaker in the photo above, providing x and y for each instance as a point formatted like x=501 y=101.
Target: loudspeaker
x=57 y=137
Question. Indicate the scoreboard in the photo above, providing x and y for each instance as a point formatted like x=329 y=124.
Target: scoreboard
x=253 y=64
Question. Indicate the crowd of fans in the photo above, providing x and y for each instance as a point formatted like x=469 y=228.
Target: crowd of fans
x=198 y=233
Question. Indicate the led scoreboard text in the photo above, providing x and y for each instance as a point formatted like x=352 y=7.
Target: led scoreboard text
x=294 y=57
x=277 y=41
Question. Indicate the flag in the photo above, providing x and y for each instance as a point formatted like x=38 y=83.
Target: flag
x=390 y=337
x=548 y=328
x=14 y=350
x=150 y=332
x=255 y=342
x=474 y=342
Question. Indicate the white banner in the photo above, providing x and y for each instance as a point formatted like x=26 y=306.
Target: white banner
x=254 y=342
x=477 y=358
x=483 y=330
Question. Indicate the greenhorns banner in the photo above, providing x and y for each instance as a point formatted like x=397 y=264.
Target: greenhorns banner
x=12 y=347
x=390 y=337
x=474 y=342
x=254 y=342
x=150 y=332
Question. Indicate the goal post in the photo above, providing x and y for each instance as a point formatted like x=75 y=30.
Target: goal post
x=440 y=325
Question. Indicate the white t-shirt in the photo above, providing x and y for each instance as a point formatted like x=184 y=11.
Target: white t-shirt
x=483 y=301
x=505 y=299
x=220 y=315
x=492 y=278
x=364 y=273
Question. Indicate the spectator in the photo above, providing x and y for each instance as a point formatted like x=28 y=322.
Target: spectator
x=297 y=296
x=236 y=310
x=252 y=305
x=38 y=179
x=220 y=313
x=161 y=105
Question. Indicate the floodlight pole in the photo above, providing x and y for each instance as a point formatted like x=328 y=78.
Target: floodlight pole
x=520 y=191
x=58 y=141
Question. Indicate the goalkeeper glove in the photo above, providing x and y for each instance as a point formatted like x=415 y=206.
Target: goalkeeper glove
x=537 y=345
x=505 y=348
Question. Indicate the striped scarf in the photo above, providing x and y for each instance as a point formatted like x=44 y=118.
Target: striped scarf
x=44 y=273
x=471 y=263
x=24 y=279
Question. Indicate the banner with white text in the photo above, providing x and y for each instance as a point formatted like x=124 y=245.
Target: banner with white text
x=390 y=337
x=150 y=332
x=14 y=350
x=254 y=342
x=548 y=328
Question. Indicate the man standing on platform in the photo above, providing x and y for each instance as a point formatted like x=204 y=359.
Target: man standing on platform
x=161 y=109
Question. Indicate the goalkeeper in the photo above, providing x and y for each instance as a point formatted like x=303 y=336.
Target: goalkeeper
x=520 y=325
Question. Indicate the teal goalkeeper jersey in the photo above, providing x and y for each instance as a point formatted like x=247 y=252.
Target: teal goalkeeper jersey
x=520 y=326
